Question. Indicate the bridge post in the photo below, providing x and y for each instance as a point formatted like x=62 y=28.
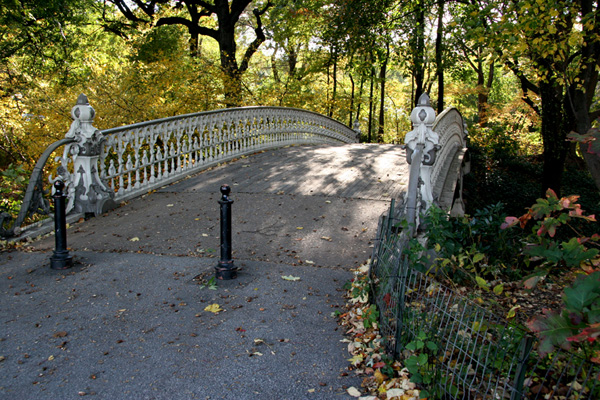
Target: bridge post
x=423 y=140
x=91 y=194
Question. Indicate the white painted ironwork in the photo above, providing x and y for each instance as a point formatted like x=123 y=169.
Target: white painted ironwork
x=435 y=148
x=451 y=166
x=121 y=163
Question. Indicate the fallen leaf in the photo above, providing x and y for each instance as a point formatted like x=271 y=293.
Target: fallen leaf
x=309 y=262
x=311 y=390
x=299 y=228
x=205 y=235
x=290 y=278
x=60 y=334
x=354 y=392
x=134 y=239
x=213 y=308
x=394 y=393
x=50 y=358
x=326 y=238
x=169 y=205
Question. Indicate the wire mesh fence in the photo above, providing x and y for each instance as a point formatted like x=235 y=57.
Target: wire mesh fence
x=457 y=348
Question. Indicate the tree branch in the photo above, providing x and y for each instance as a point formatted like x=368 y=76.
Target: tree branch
x=260 y=37
x=191 y=26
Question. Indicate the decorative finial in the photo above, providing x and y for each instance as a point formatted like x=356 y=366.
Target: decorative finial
x=424 y=100
x=82 y=100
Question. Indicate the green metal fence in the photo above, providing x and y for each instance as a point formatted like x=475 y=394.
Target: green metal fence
x=471 y=353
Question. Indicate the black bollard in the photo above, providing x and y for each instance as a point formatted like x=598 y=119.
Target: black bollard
x=61 y=259
x=225 y=269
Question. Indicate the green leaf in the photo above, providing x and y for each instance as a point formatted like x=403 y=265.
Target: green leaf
x=552 y=330
x=482 y=283
x=582 y=294
x=432 y=346
x=478 y=257
x=290 y=278
x=498 y=289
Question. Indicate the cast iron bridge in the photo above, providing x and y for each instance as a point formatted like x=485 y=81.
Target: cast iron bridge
x=257 y=150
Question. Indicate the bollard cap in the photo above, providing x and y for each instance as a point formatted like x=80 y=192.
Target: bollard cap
x=225 y=190
x=59 y=185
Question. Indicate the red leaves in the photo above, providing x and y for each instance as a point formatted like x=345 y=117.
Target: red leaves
x=589 y=334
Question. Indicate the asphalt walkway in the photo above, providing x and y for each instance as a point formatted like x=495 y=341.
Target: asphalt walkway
x=136 y=318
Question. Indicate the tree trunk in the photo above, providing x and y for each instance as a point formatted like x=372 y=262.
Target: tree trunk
x=371 y=105
x=438 y=56
x=232 y=77
x=360 y=93
x=274 y=66
x=419 y=52
x=351 y=100
x=334 y=90
x=382 y=75
x=553 y=135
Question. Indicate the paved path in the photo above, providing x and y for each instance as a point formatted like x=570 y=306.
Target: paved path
x=128 y=322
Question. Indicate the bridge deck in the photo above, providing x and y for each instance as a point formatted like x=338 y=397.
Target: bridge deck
x=302 y=204
x=135 y=325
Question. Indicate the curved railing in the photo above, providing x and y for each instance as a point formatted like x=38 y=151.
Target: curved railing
x=140 y=157
x=447 y=173
x=101 y=168
x=435 y=150
x=34 y=200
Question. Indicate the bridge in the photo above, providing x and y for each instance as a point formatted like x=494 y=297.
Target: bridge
x=130 y=320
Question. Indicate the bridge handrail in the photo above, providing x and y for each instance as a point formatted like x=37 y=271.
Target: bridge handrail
x=435 y=150
x=143 y=156
x=101 y=168
x=33 y=201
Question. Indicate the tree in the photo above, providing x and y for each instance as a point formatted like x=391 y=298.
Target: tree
x=196 y=16
x=39 y=42
x=553 y=48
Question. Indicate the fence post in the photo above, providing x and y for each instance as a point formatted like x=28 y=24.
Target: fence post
x=524 y=352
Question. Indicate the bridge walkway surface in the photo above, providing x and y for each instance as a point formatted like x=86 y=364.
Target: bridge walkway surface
x=129 y=320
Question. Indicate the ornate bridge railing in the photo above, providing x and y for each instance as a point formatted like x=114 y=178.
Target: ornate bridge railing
x=471 y=353
x=435 y=150
x=101 y=168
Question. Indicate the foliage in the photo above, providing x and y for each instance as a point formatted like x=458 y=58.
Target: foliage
x=472 y=249
x=420 y=363
x=545 y=245
x=384 y=376
x=13 y=182
x=591 y=140
x=578 y=324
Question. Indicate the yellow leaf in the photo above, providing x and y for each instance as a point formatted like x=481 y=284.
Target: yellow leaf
x=379 y=377
x=498 y=289
x=213 y=308
x=512 y=312
x=290 y=278
x=299 y=228
x=355 y=360
x=134 y=239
